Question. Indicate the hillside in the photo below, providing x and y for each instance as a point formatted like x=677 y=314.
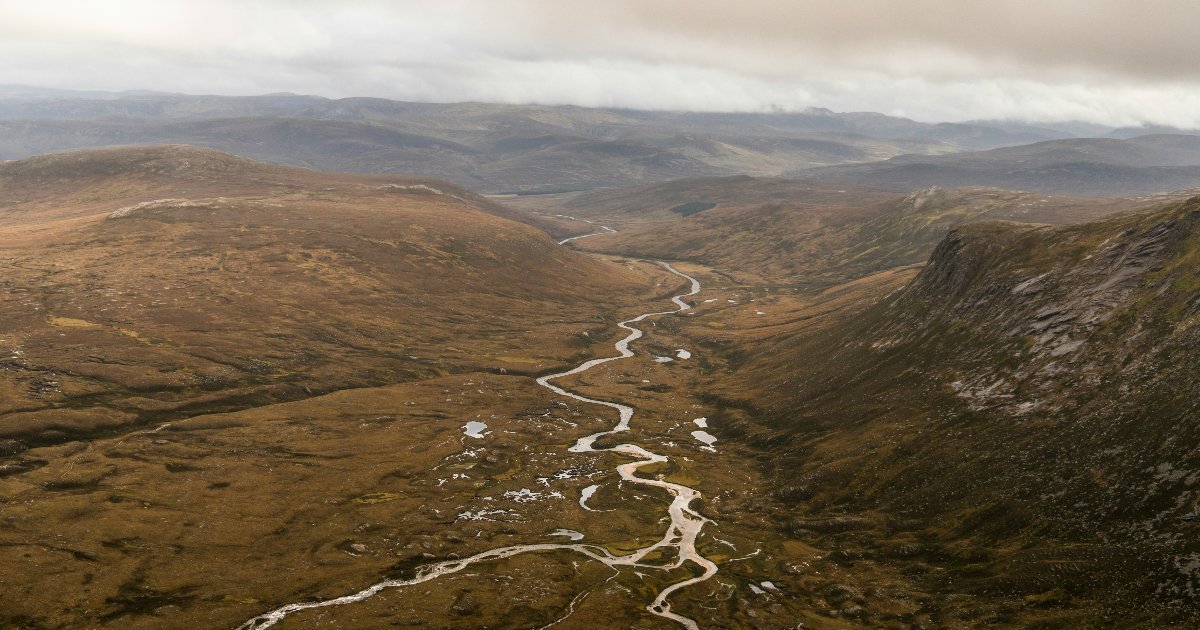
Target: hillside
x=1012 y=434
x=806 y=234
x=147 y=282
x=675 y=201
x=1144 y=164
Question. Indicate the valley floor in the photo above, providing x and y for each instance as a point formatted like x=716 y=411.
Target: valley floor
x=216 y=519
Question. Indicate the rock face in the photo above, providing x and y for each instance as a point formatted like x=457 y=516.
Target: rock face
x=1049 y=294
x=1028 y=406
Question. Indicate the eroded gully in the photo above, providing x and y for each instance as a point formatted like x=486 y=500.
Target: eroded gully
x=681 y=535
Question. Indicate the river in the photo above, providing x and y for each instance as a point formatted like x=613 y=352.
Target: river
x=681 y=534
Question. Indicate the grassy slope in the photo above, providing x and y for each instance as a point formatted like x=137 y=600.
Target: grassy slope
x=778 y=231
x=254 y=283
x=251 y=391
x=1013 y=433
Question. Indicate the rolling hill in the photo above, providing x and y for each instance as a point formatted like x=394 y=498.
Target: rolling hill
x=806 y=234
x=146 y=282
x=1098 y=166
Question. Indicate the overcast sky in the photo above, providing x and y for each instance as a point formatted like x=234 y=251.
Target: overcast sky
x=1116 y=62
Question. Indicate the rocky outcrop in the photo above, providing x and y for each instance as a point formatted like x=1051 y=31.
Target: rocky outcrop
x=1028 y=408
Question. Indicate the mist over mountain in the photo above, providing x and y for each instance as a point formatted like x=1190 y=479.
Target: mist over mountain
x=538 y=149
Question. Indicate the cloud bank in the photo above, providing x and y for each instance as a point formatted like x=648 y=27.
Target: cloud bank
x=1111 y=62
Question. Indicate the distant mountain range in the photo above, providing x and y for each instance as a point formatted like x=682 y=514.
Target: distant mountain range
x=268 y=259
x=1093 y=166
x=502 y=148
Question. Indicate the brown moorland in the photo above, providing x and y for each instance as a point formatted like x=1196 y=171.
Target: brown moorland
x=230 y=386
x=144 y=284
x=896 y=445
x=1004 y=437
x=807 y=235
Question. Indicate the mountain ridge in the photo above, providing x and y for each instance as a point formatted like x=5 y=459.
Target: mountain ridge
x=1015 y=426
x=487 y=147
x=1095 y=166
